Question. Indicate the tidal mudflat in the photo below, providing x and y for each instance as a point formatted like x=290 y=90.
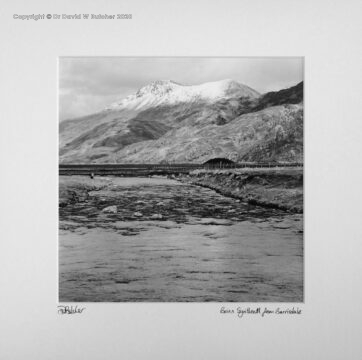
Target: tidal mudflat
x=160 y=240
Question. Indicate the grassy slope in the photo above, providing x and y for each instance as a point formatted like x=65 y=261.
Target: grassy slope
x=281 y=188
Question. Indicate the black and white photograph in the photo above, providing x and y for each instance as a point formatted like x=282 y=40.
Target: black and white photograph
x=181 y=179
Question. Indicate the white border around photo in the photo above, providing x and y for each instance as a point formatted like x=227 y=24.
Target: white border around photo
x=326 y=34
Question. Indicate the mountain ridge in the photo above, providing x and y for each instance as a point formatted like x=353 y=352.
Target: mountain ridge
x=164 y=92
x=191 y=128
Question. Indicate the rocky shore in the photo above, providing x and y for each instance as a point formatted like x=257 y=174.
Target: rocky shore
x=73 y=192
x=272 y=188
x=275 y=188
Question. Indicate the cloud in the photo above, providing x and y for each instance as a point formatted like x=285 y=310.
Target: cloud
x=88 y=84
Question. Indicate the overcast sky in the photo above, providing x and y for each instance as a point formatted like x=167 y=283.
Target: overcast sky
x=88 y=84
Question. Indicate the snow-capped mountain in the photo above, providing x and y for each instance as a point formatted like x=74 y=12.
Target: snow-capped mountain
x=166 y=121
x=168 y=92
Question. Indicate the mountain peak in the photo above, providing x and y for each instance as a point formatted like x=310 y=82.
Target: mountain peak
x=164 y=82
x=168 y=92
x=158 y=88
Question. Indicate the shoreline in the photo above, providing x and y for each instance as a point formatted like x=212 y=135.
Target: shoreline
x=270 y=188
x=279 y=189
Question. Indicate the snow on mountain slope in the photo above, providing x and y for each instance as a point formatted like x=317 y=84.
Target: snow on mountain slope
x=166 y=121
x=167 y=92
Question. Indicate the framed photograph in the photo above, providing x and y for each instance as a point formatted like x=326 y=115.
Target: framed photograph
x=180 y=180
x=180 y=191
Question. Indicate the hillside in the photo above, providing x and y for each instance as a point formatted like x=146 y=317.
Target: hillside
x=166 y=121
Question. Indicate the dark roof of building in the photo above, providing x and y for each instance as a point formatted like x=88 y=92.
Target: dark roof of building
x=218 y=161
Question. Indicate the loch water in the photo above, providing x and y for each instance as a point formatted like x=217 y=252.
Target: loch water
x=175 y=242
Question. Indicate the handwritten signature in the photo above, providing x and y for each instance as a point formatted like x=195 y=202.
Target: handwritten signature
x=66 y=309
x=240 y=312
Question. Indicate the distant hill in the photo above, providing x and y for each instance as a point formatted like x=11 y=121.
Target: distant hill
x=293 y=95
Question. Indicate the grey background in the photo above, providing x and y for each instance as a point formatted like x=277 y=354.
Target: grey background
x=327 y=34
